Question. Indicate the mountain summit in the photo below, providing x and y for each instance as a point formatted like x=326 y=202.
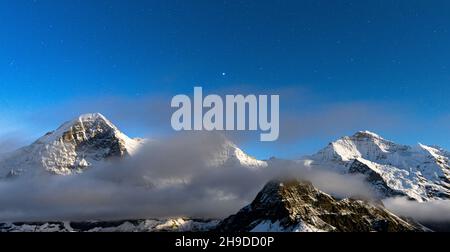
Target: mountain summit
x=419 y=172
x=71 y=148
x=297 y=206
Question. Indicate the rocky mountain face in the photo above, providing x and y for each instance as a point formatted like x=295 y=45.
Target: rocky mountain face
x=294 y=206
x=76 y=145
x=421 y=172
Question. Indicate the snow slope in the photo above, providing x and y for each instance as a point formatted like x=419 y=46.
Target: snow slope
x=421 y=172
x=229 y=155
x=74 y=146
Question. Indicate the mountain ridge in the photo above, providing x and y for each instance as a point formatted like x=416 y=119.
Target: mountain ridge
x=421 y=172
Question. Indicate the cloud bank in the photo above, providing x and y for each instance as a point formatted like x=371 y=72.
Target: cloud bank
x=180 y=176
x=432 y=211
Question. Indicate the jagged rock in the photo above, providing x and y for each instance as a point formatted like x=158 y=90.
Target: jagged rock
x=299 y=206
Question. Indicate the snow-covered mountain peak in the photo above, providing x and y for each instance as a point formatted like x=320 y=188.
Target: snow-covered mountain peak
x=420 y=172
x=85 y=123
x=75 y=145
x=363 y=144
x=230 y=154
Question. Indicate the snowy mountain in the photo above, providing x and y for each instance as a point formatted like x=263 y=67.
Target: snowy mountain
x=76 y=145
x=230 y=155
x=297 y=206
x=91 y=139
x=421 y=172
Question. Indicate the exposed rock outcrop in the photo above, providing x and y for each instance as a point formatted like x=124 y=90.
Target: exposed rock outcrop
x=299 y=206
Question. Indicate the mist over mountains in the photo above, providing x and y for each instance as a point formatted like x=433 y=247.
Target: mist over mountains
x=88 y=170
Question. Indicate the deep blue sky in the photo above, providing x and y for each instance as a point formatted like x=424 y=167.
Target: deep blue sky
x=391 y=56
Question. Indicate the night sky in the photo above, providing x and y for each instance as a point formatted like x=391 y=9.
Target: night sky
x=339 y=65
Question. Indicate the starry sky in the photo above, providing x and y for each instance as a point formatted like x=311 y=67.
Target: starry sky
x=339 y=66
